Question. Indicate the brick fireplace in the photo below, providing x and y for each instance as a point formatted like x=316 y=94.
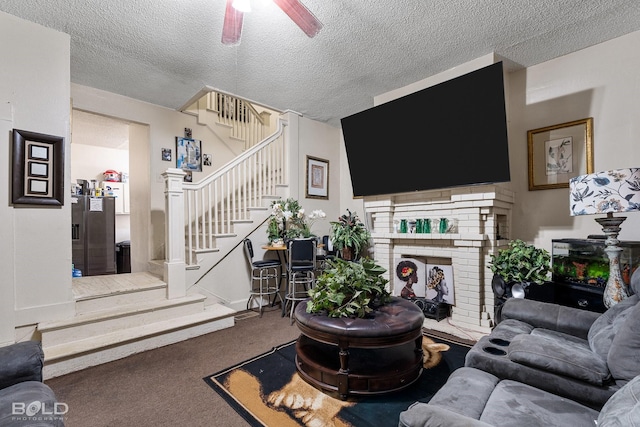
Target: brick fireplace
x=481 y=219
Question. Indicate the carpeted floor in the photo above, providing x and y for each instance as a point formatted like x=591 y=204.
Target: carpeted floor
x=266 y=390
x=164 y=387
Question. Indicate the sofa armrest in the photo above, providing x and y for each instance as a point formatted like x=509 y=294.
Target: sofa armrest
x=20 y=362
x=569 y=320
x=426 y=415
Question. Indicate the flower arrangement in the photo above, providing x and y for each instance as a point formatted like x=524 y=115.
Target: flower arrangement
x=288 y=220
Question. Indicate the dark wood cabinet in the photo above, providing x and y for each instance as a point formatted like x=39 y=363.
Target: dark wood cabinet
x=571 y=295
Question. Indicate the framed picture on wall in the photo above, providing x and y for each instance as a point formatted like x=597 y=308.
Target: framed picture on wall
x=559 y=152
x=317 y=178
x=37 y=169
x=188 y=154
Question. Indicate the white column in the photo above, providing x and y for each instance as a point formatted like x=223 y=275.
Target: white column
x=174 y=264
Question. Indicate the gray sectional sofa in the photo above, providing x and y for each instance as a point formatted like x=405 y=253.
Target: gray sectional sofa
x=546 y=364
x=24 y=399
x=472 y=397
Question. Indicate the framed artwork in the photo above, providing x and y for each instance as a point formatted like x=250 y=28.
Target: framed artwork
x=317 y=178
x=439 y=282
x=37 y=169
x=409 y=277
x=206 y=158
x=166 y=154
x=560 y=152
x=188 y=154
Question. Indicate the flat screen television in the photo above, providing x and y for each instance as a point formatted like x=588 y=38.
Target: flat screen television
x=448 y=135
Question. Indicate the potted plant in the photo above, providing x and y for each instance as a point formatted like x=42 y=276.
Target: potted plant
x=349 y=235
x=521 y=263
x=289 y=221
x=349 y=289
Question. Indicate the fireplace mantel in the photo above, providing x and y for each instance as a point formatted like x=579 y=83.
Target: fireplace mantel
x=482 y=216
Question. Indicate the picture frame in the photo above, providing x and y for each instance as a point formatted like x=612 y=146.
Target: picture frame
x=439 y=283
x=188 y=154
x=37 y=169
x=317 y=181
x=558 y=153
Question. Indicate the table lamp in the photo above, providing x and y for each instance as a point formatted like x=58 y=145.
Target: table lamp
x=608 y=192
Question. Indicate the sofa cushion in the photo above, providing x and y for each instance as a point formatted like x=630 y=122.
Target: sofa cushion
x=466 y=392
x=623 y=408
x=624 y=355
x=563 y=357
x=516 y=404
x=425 y=415
x=605 y=328
x=548 y=333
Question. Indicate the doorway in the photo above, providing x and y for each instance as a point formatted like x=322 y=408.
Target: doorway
x=99 y=144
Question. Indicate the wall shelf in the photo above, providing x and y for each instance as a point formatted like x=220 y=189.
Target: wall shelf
x=430 y=236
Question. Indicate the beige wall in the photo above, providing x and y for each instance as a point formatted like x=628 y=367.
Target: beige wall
x=35 y=266
x=599 y=82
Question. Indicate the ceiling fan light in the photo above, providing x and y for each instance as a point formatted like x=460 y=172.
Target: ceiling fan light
x=242 y=5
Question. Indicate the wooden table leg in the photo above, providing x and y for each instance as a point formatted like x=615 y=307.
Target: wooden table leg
x=343 y=372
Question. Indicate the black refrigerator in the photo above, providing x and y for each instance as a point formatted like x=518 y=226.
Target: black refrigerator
x=93 y=234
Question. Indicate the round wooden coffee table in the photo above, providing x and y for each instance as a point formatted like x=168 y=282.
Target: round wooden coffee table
x=349 y=357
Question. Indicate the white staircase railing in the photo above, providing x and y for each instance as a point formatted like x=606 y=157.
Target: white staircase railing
x=209 y=208
x=244 y=121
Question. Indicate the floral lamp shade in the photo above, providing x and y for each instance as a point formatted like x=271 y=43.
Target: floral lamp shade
x=605 y=192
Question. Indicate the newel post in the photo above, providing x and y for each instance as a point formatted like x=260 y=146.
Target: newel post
x=174 y=263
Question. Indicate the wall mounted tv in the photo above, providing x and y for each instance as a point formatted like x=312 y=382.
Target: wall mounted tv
x=448 y=135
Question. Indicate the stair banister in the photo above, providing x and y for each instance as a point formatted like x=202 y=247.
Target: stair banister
x=174 y=265
x=207 y=209
x=239 y=159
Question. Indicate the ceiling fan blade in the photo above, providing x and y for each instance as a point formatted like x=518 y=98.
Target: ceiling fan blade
x=232 y=27
x=301 y=16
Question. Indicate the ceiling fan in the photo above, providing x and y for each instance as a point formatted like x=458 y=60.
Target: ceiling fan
x=299 y=14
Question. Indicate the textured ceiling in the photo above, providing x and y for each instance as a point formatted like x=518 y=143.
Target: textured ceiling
x=165 y=51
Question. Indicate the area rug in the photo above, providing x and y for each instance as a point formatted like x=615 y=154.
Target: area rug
x=267 y=391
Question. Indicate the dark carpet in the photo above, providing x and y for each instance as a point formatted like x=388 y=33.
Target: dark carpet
x=267 y=391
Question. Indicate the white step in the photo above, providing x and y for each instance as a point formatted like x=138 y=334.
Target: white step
x=64 y=358
x=93 y=304
x=118 y=318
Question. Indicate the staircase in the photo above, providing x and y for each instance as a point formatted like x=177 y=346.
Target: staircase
x=124 y=314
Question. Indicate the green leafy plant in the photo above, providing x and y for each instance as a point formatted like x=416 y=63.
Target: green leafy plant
x=349 y=232
x=349 y=289
x=521 y=263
